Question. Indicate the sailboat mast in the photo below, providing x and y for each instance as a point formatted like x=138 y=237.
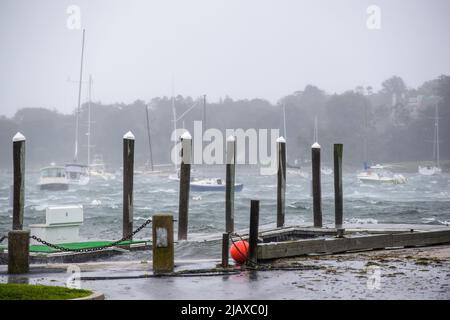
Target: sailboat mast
x=89 y=123
x=75 y=159
x=174 y=112
x=365 y=136
x=436 y=124
x=204 y=112
x=316 y=134
x=149 y=138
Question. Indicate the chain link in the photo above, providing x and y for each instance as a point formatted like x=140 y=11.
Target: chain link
x=113 y=244
x=3 y=238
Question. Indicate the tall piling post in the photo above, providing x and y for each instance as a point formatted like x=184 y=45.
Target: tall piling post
x=185 y=179
x=19 y=180
x=253 y=232
x=316 y=185
x=230 y=184
x=128 y=172
x=225 y=249
x=281 y=181
x=163 y=248
x=338 y=197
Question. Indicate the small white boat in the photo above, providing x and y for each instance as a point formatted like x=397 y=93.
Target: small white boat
x=97 y=170
x=380 y=176
x=326 y=171
x=215 y=184
x=53 y=178
x=77 y=174
x=429 y=170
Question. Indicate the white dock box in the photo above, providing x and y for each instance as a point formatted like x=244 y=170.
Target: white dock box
x=62 y=224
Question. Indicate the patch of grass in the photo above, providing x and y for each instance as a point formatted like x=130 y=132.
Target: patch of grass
x=9 y=291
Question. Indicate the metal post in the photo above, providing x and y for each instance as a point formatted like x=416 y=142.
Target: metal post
x=19 y=180
x=128 y=171
x=185 y=179
x=281 y=181
x=230 y=184
x=316 y=187
x=163 y=249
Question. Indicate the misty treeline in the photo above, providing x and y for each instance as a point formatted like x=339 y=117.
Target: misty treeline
x=397 y=121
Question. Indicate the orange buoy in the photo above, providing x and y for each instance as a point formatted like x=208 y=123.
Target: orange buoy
x=239 y=251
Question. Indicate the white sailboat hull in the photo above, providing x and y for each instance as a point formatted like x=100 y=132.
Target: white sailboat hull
x=429 y=171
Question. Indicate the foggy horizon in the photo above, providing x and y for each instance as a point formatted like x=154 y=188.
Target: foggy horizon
x=241 y=50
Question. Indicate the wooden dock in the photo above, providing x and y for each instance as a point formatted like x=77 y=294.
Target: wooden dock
x=298 y=241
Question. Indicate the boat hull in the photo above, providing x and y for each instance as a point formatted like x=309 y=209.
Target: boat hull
x=205 y=188
x=56 y=186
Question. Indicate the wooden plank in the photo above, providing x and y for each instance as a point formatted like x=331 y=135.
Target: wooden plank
x=293 y=248
x=421 y=238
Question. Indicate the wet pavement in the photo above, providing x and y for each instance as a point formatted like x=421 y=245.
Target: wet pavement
x=416 y=273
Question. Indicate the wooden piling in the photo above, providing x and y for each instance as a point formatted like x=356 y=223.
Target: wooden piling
x=230 y=184
x=19 y=180
x=18 y=251
x=253 y=232
x=128 y=172
x=225 y=249
x=316 y=185
x=185 y=179
x=281 y=181
x=163 y=248
x=338 y=197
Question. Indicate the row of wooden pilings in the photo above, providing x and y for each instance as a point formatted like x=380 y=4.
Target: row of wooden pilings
x=162 y=229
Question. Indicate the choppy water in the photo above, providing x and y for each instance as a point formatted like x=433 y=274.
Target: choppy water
x=421 y=200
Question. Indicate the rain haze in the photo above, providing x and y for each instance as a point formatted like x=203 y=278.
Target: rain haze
x=175 y=149
x=242 y=49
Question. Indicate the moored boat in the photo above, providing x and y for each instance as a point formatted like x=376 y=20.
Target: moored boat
x=216 y=184
x=53 y=178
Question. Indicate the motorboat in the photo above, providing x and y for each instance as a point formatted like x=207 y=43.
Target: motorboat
x=376 y=176
x=215 y=184
x=97 y=170
x=53 y=178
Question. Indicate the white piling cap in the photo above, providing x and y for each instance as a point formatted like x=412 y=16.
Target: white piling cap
x=231 y=138
x=129 y=135
x=18 y=137
x=315 y=146
x=281 y=139
x=186 y=135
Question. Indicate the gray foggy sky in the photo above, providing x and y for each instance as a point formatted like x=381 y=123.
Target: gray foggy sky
x=244 y=49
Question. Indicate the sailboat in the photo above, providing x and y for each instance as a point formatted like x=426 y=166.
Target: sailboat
x=436 y=169
x=376 y=174
x=76 y=173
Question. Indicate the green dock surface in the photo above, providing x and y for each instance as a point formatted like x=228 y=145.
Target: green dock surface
x=80 y=245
